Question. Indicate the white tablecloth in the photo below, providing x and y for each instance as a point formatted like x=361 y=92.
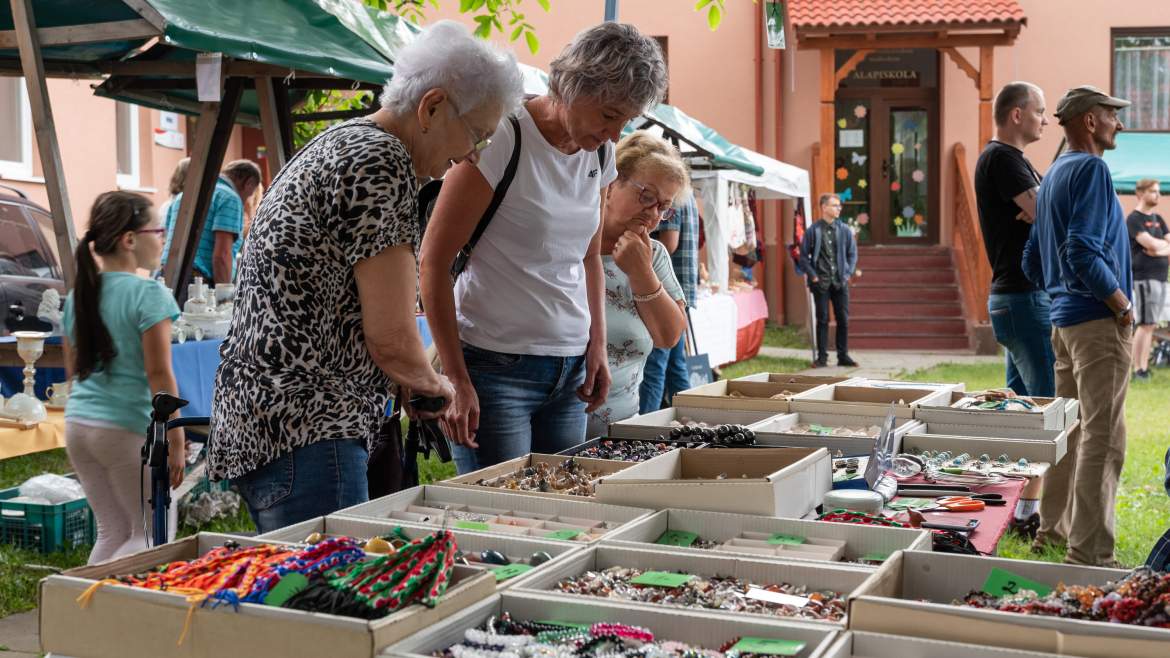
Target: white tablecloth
x=715 y=321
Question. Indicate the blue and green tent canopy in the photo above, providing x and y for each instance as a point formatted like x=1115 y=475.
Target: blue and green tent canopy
x=1137 y=156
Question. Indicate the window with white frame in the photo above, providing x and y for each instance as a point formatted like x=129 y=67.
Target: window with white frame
x=126 y=116
x=15 y=129
x=1141 y=74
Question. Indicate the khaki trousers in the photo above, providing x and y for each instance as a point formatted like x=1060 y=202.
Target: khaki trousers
x=1077 y=506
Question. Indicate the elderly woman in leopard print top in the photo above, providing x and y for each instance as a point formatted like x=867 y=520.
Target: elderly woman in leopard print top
x=324 y=319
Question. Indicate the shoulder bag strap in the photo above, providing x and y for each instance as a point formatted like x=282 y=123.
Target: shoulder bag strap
x=497 y=198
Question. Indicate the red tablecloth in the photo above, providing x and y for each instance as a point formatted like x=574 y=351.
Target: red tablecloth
x=993 y=521
x=751 y=314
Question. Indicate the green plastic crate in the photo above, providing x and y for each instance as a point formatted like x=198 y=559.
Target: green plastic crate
x=45 y=528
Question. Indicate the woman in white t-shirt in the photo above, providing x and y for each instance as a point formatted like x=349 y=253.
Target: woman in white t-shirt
x=522 y=333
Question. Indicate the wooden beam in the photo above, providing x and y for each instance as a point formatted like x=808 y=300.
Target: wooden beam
x=904 y=41
x=92 y=33
x=270 y=124
x=284 y=115
x=824 y=173
x=46 y=134
x=963 y=63
x=212 y=133
x=986 y=84
x=147 y=12
x=849 y=65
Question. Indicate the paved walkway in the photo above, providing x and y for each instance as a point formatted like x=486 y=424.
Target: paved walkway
x=20 y=635
x=882 y=364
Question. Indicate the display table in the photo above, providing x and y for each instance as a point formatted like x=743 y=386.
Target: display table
x=714 y=322
x=47 y=435
x=993 y=521
x=751 y=316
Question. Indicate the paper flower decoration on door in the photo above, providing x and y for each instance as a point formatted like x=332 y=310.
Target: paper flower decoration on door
x=895 y=186
x=897 y=148
x=897 y=221
x=918 y=176
x=919 y=219
x=842 y=173
x=841 y=123
x=860 y=111
x=908 y=212
x=863 y=218
x=863 y=183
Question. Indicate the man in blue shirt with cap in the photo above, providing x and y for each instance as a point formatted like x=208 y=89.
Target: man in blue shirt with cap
x=1079 y=254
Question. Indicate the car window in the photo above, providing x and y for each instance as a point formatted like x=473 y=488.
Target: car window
x=21 y=252
x=45 y=223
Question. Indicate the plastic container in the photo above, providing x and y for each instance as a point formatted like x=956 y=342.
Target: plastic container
x=45 y=528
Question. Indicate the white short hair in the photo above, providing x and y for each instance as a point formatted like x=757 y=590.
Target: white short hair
x=446 y=56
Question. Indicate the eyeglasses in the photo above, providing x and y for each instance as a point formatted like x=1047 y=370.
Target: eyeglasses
x=650 y=200
x=477 y=144
x=155 y=231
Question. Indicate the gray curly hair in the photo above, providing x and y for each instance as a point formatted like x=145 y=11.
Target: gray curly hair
x=446 y=56
x=613 y=63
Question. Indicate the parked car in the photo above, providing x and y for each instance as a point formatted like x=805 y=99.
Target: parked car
x=29 y=262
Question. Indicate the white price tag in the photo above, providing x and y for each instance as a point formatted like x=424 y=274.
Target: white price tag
x=777 y=597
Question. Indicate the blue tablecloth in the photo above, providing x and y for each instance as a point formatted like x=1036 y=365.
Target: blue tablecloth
x=194 y=363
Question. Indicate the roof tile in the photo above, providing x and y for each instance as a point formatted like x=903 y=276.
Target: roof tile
x=806 y=14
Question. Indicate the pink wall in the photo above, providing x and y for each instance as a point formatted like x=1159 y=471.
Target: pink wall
x=86 y=135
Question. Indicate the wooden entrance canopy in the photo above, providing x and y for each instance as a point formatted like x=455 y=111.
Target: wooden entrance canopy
x=865 y=26
x=271 y=52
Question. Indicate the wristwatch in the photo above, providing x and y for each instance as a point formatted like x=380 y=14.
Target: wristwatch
x=1127 y=309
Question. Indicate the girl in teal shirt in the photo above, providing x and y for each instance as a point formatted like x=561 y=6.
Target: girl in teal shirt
x=117 y=352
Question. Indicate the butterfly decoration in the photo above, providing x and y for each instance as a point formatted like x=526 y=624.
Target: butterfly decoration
x=859 y=159
x=846 y=195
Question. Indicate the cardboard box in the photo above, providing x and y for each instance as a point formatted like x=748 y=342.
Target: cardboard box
x=658 y=423
x=785 y=482
x=557 y=513
x=840 y=578
x=581 y=447
x=858 y=644
x=694 y=627
x=126 y=622
x=792 y=378
x=743 y=395
x=777 y=432
x=856 y=400
x=1052 y=414
x=898 y=383
x=517 y=548
x=858 y=540
x=602 y=466
x=1033 y=444
x=912 y=594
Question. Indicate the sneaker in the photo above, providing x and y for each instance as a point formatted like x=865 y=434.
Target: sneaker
x=820 y=363
x=847 y=362
x=1141 y=375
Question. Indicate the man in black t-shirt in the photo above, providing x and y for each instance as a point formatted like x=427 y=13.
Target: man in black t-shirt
x=1005 y=191
x=1150 y=251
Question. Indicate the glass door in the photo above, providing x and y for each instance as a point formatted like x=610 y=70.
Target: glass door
x=885 y=166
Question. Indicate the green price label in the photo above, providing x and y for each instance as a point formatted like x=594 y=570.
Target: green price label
x=767 y=646
x=910 y=503
x=568 y=533
x=677 y=538
x=1001 y=582
x=791 y=540
x=510 y=571
x=662 y=579
x=565 y=624
x=472 y=525
x=819 y=429
x=289 y=584
x=874 y=557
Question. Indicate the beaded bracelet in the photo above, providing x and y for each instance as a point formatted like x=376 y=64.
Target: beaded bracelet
x=652 y=296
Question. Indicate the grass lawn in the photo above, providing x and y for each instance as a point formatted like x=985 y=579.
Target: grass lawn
x=786 y=335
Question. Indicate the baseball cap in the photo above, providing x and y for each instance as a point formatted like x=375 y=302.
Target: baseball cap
x=1078 y=100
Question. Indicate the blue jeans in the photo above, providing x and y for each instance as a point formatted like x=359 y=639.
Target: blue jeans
x=1022 y=324
x=665 y=372
x=527 y=403
x=308 y=482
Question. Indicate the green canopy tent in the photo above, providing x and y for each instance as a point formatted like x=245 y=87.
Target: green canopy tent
x=272 y=51
x=1137 y=156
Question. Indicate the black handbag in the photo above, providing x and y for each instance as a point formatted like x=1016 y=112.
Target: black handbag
x=385 y=468
x=698 y=365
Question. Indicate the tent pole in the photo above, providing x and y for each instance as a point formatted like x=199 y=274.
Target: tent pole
x=271 y=125
x=212 y=132
x=46 y=134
